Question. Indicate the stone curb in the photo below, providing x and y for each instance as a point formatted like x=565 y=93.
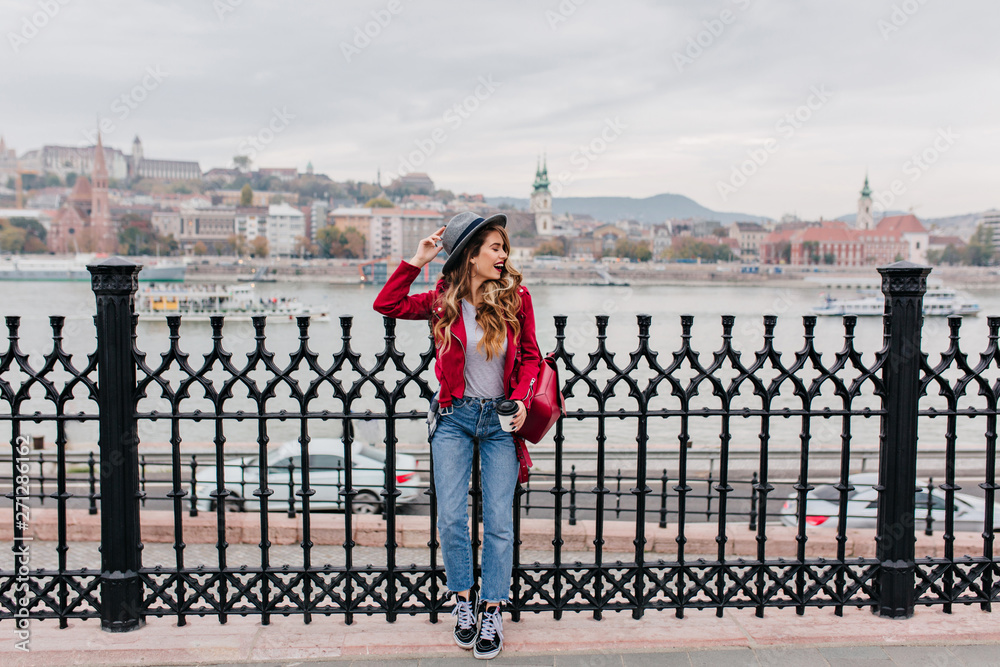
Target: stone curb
x=536 y=534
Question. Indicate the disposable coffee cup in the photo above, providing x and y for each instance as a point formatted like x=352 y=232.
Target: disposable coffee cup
x=505 y=412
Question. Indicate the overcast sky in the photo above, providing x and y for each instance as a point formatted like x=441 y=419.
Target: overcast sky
x=668 y=96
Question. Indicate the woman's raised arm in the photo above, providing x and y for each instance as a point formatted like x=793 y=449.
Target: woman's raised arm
x=394 y=300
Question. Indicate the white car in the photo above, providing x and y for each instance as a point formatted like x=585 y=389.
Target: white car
x=326 y=478
x=823 y=507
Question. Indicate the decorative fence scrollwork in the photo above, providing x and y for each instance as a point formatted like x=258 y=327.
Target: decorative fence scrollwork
x=693 y=538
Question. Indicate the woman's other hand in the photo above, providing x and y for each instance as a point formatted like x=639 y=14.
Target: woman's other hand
x=428 y=249
x=522 y=414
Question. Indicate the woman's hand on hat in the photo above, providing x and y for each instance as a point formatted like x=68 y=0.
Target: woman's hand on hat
x=428 y=248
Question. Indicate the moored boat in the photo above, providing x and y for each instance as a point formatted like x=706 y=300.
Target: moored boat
x=938 y=302
x=234 y=302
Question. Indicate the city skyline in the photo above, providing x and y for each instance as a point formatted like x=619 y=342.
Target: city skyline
x=742 y=106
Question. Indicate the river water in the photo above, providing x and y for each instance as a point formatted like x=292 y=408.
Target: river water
x=34 y=302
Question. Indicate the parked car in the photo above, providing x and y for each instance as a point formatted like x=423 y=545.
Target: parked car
x=823 y=507
x=327 y=477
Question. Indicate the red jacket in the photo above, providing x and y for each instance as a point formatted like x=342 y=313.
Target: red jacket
x=523 y=356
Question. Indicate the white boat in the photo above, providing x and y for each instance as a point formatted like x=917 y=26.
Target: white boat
x=234 y=302
x=938 y=302
x=20 y=267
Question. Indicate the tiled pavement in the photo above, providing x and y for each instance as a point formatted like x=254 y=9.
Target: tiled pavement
x=966 y=637
x=909 y=656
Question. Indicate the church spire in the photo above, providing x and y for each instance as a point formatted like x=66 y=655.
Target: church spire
x=541 y=176
x=101 y=229
x=100 y=167
x=866 y=191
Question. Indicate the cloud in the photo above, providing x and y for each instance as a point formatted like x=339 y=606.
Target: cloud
x=686 y=127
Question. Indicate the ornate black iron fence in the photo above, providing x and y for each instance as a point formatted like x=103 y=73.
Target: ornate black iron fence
x=650 y=393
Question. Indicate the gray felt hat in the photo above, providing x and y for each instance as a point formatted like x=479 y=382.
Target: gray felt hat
x=460 y=229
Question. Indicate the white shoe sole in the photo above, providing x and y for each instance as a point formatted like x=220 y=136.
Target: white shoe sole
x=490 y=655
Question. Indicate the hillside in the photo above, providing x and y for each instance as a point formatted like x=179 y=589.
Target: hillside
x=651 y=209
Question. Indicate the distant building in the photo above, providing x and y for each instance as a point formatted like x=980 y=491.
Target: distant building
x=162 y=170
x=48 y=198
x=426 y=202
x=221 y=175
x=166 y=223
x=991 y=220
x=417 y=183
x=662 y=240
x=773 y=247
x=837 y=244
x=748 y=236
x=523 y=249
x=210 y=225
x=942 y=242
x=541 y=201
x=520 y=224
x=307 y=222
x=343 y=218
x=911 y=231
x=8 y=162
x=606 y=237
x=65 y=160
x=251 y=222
x=395 y=232
x=285 y=226
x=702 y=228
x=283 y=174
x=318 y=217
x=83 y=223
x=633 y=228
x=261 y=198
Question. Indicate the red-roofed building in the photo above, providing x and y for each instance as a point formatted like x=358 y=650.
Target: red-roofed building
x=773 y=247
x=942 y=242
x=837 y=244
x=911 y=230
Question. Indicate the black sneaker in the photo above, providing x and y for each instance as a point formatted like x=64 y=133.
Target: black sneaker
x=466 y=627
x=490 y=641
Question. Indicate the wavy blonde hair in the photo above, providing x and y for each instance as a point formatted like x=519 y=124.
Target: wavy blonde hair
x=501 y=300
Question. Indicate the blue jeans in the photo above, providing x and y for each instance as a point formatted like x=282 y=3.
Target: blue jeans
x=475 y=419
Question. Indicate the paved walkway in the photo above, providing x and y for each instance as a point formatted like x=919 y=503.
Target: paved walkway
x=910 y=656
x=966 y=637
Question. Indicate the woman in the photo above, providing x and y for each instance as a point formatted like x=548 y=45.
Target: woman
x=484 y=336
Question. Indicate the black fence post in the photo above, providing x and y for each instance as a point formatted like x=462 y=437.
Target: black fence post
x=114 y=282
x=904 y=285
